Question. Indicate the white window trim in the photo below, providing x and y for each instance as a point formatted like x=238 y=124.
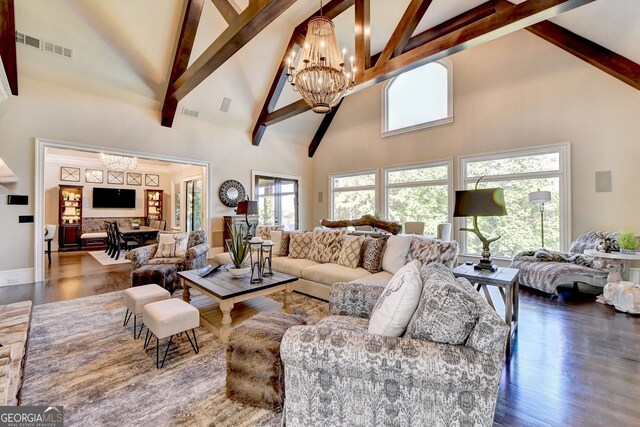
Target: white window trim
x=374 y=187
x=564 y=150
x=449 y=182
x=449 y=119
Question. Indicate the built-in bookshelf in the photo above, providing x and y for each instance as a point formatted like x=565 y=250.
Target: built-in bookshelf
x=153 y=205
x=69 y=217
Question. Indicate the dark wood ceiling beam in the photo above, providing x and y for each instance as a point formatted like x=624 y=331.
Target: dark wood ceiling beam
x=405 y=28
x=8 y=44
x=227 y=9
x=291 y=110
x=184 y=46
x=249 y=24
x=324 y=127
x=363 y=32
x=600 y=57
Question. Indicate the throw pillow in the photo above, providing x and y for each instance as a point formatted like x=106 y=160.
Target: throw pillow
x=325 y=246
x=300 y=244
x=172 y=245
x=265 y=231
x=371 y=254
x=285 y=240
x=350 y=252
x=428 y=250
x=276 y=238
x=446 y=313
x=397 y=303
x=395 y=256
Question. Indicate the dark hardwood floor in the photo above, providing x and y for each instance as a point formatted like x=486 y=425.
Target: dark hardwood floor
x=575 y=362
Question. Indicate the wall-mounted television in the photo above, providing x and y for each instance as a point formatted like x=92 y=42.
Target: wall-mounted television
x=114 y=198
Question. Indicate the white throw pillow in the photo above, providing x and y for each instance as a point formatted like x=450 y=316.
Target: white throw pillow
x=172 y=245
x=397 y=303
x=276 y=238
x=395 y=254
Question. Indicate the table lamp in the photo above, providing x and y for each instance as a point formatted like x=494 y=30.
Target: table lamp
x=540 y=198
x=246 y=208
x=480 y=202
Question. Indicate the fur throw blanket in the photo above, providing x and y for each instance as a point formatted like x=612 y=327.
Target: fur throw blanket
x=546 y=255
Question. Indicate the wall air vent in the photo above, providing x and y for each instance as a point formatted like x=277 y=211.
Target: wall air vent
x=188 y=112
x=44 y=45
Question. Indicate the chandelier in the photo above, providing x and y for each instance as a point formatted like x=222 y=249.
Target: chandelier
x=118 y=163
x=321 y=77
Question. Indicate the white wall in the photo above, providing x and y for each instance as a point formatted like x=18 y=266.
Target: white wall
x=518 y=91
x=54 y=112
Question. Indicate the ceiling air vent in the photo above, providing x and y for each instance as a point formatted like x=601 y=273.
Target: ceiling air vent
x=188 y=112
x=226 y=102
x=44 y=45
x=28 y=40
x=58 y=50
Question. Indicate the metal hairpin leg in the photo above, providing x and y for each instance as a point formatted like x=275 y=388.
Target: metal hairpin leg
x=127 y=316
x=194 y=346
x=165 y=352
x=139 y=332
x=147 y=339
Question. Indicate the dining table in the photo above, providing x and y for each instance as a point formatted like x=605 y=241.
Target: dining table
x=141 y=234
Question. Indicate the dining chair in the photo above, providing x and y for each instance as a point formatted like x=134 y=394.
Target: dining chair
x=49 y=232
x=414 y=227
x=121 y=241
x=444 y=231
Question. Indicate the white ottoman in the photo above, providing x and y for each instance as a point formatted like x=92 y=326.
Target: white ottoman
x=168 y=318
x=136 y=298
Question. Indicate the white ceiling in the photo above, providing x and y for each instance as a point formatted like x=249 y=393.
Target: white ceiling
x=123 y=49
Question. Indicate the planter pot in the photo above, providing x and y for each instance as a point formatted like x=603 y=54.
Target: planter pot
x=628 y=251
x=239 y=272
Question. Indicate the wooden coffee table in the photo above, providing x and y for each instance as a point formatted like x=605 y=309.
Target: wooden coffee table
x=225 y=292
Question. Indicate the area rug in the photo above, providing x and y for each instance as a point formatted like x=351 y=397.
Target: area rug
x=81 y=357
x=105 y=259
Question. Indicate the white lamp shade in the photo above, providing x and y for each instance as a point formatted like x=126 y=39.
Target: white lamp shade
x=538 y=197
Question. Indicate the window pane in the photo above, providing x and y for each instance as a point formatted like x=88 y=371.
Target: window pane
x=266 y=210
x=197 y=205
x=288 y=219
x=418 y=174
x=520 y=229
x=429 y=204
x=418 y=96
x=176 y=206
x=523 y=164
x=353 y=204
x=354 y=181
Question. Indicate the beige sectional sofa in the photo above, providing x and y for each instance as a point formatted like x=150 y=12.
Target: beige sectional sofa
x=316 y=278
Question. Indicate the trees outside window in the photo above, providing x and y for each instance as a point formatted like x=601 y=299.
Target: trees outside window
x=277 y=201
x=353 y=195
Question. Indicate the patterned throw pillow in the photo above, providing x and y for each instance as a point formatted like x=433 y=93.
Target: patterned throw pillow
x=300 y=244
x=350 y=252
x=326 y=245
x=172 y=245
x=264 y=231
x=372 y=253
x=446 y=313
x=428 y=250
x=284 y=243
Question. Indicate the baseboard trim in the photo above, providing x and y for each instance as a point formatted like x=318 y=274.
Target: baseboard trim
x=17 y=277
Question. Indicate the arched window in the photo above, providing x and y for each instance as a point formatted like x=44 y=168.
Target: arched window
x=419 y=98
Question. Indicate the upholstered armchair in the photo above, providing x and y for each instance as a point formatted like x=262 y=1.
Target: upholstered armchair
x=195 y=257
x=337 y=371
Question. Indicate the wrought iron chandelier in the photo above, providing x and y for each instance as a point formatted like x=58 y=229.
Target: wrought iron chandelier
x=321 y=76
x=118 y=163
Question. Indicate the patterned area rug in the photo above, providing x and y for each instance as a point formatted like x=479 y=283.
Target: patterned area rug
x=105 y=259
x=81 y=357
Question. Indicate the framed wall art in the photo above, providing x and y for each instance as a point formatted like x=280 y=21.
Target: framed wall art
x=115 y=177
x=134 y=178
x=151 y=180
x=69 y=174
x=94 y=176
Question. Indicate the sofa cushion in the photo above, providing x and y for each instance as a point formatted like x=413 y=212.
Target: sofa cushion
x=397 y=303
x=372 y=253
x=326 y=245
x=380 y=278
x=332 y=273
x=292 y=266
x=427 y=250
x=395 y=255
x=285 y=240
x=349 y=255
x=172 y=245
x=300 y=244
x=446 y=313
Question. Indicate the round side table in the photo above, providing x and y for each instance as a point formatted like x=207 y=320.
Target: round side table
x=614 y=261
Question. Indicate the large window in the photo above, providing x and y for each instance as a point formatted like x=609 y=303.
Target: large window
x=520 y=173
x=277 y=201
x=418 y=98
x=353 y=195
x=418 y=193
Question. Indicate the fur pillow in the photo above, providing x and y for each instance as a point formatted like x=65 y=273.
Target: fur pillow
x=372 y=253
x=326 y=245
x=428 y=250
x=172 y=245
x=264 y=231
x=300 y=244
x=285 y=240
x=350 y=252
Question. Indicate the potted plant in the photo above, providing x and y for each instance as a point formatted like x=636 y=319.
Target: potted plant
x=238 y=248
x=135 y=224
x=628 y=242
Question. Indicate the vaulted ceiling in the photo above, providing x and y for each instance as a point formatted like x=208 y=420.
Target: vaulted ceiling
x=125 y=49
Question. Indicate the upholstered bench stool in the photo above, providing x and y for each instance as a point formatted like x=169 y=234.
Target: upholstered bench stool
x=168 y=318
x=255 y=375
x=136 y=298
x=164 y=275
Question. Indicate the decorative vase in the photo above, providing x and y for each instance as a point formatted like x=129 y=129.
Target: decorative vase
x=239 y=272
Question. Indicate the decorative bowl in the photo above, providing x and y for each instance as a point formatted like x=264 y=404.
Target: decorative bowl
x=239 y=272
